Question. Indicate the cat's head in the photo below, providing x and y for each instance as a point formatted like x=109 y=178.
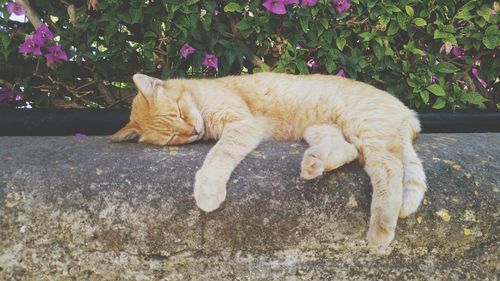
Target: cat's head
x=163 y=113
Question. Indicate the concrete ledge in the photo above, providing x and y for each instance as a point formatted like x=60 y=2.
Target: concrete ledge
x=86 y=209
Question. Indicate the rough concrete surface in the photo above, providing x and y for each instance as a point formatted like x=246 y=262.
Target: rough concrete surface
x=87 y=209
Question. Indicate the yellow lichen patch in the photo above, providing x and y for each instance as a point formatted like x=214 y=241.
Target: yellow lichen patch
x=12 y=199
x=258 y=154
x=468 y=175
x=467 y=232
x=443 y=214
x=352 y=201
x=436 y=159
x=476 y=193
x=452 y=164
x=9 y=158
x=173 y=150
x=454 y=200
x=419 y=219
x=470 y=216
x=495 y=189
x=98 y=171
x=424 y=202
x=477 y=183
x=447 y=139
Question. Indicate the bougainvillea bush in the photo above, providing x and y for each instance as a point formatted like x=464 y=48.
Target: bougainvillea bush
x=430 y=54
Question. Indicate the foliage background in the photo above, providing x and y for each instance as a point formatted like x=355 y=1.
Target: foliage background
x=393 y=45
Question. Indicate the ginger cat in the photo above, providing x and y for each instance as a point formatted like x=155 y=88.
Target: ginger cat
x=340 y=119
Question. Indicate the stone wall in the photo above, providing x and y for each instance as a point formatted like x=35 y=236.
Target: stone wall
x=82 y=208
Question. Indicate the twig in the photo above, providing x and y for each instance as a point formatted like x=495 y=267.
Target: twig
x=7 y=84
x=106 y=94
x=33 y=16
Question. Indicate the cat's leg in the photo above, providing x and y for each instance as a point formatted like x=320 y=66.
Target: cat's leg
x=385 y=168
x=238 y=139
x=329 y=150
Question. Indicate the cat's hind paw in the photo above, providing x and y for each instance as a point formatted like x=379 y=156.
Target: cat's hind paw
x=411 y=200
x=313 y=163
x=208 y=194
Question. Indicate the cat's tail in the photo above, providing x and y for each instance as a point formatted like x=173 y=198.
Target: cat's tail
x=414 y=185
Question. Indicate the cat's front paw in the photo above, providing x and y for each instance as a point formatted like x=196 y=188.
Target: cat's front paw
x=209 y=191
x=313 y=163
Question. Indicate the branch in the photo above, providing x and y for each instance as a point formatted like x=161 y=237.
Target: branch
x=7 y=84
x=106 y=94
x=33 y=16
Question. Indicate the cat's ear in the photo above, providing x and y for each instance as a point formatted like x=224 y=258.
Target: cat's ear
x=129 y=132
x=146 y=85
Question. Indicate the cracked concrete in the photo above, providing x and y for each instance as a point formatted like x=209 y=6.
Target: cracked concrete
x=86 y=209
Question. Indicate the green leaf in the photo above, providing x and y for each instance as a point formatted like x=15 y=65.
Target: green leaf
x=446 y=67
x=490 y=38
x=135 y=15
x=367 y=36
x=243 y=25
x=419 y=22
x=464 y=15
x=379 y=51
x=440 y=103
x=324 y=23
x=302 y=67
x=436 y=90
x=190 y=2
x=393 y=29
x=340 y=42
x=409 y=11
x=425 y=96
x=304 y=23
x=446 y=36
x=472 y=98
x=330 y=66
x=484 y=12
x=232 y=7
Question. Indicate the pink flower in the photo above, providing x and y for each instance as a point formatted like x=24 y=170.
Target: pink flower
x=275 y=6
x=211 y=61
x=458 y=52
x=341 y=5
x=93 y=5
x=342 y=73
x=6 y=96
x=446 y=47
x=312 y=64
x=30 y=46
x=16 y=9
x=186 y=50
x=311 y=3
x=433 y=79
x=55 y=56
x=288 y=2
x=43 y=34
x=475 y=72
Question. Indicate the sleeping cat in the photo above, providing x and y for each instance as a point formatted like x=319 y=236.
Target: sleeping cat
x=340 y=119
